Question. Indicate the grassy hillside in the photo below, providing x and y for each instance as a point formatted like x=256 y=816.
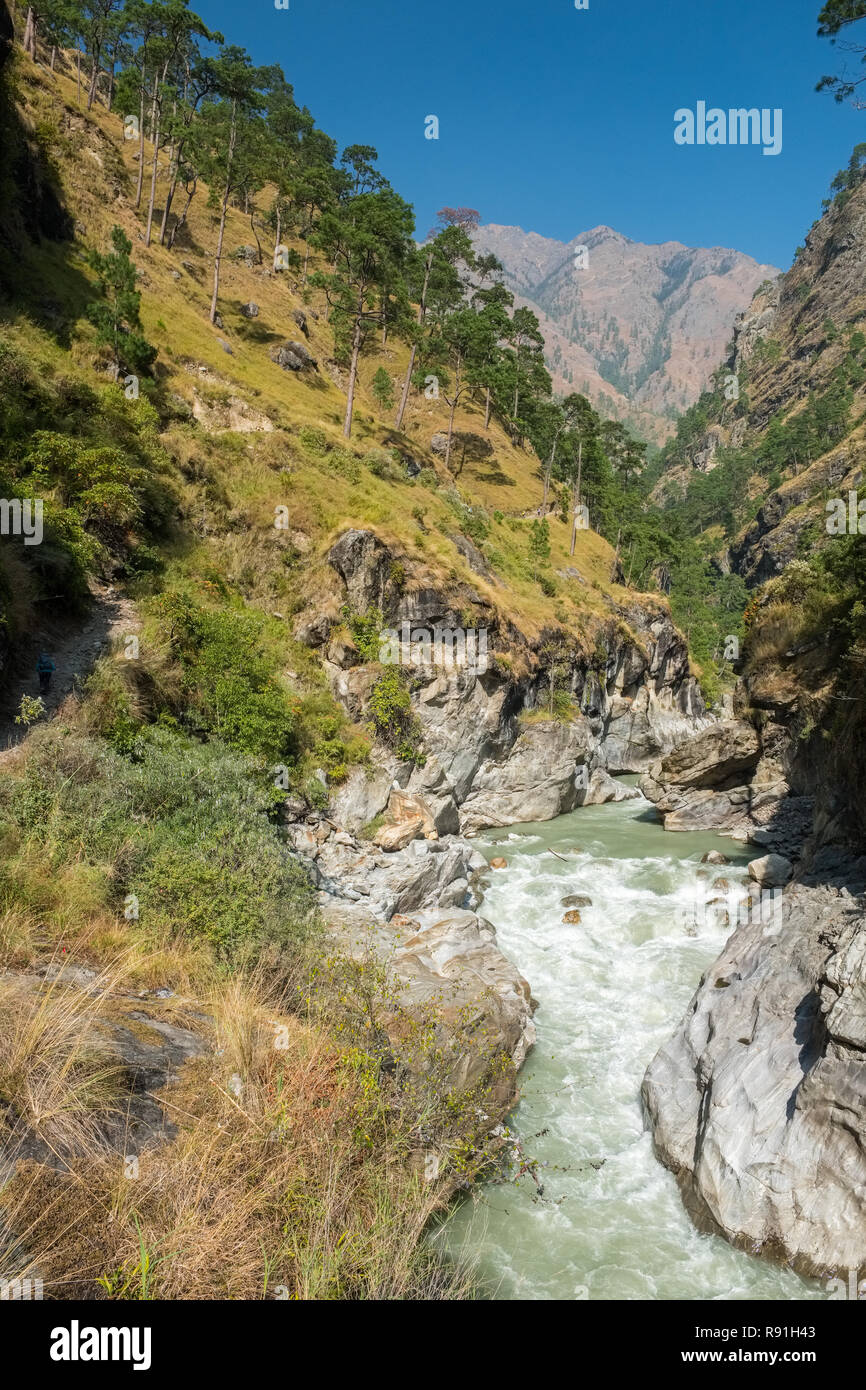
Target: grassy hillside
x=139 y=827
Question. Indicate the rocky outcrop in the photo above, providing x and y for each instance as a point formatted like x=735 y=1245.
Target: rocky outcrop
x=484 y=764
x=448 y=958
x=535 y=782
x=757 y=1102
x=602 y=788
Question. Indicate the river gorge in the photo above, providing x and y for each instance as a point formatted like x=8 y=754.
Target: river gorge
x=604 y=1220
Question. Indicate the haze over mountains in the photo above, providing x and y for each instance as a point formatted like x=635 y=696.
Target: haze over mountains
x=637 y=328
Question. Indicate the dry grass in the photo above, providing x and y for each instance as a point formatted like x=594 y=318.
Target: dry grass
x=264 y=1193
x=58 y=1084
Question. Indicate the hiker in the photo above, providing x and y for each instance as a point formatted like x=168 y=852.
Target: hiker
x=45 y=669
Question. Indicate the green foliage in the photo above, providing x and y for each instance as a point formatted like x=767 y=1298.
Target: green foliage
x=390 y=707
x=539 y=546
x=186 y=828
x=116 y=316
x=229 y=678
x=366 y=629
x=29 y=710
x=313 y=440
x=383 y=389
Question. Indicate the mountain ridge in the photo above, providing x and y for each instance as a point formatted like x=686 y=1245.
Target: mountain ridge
x=641 y=329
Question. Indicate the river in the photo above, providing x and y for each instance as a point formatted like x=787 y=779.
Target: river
x=611 y=989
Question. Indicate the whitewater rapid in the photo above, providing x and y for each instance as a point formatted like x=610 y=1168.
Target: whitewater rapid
x=609 y=1223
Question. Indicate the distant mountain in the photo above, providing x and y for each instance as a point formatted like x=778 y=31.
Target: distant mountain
x=636 y=328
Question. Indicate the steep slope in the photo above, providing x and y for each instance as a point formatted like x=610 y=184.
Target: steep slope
x=757 y=1102
x=637 y=328
x=245 y=787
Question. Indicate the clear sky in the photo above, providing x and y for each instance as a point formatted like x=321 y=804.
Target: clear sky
x=557 y=119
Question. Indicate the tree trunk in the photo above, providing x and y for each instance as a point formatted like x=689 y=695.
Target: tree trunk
x=575 y=497
x=487 y=410
x=169 y=199
x=256 y=235
x=615 y=564
x=453 y=404
x=140 y=143
x=404 y=395
x=306 y=258
x=190 y=194
x=353 y=373
x=419 y=318
x=548 y=472
x=153 y=177
x=53 y=56
x=225 y=203
x=94 y=73
x=78 y=72
x=28 y=43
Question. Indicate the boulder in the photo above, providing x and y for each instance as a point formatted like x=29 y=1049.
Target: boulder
x=534 y=782
x=448 y=959
x=772 y=871
x=250 y=311
x=601 y=788
x=572 y=917
x=293 y=357
x=499 y=863
x=394 y=837
x=714 y=856
x=756 y=1103
x=576 y=900
x=716 y=757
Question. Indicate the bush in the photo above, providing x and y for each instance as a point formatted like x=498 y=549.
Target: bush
x=229 y=680
x=391 y=710
x=313 y=440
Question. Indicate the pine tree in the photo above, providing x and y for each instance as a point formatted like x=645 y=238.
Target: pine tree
x=117 y=315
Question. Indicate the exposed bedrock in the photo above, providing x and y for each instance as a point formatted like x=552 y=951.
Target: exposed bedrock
x=491 y=755
x=757 y=1102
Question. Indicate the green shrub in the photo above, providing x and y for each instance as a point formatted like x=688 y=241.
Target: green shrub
x=390 y=708
x=229 y=680
x=313 y=440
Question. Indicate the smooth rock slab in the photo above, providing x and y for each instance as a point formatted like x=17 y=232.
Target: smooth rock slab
x=758 y=1102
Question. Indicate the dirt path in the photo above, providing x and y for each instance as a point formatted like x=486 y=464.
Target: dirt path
x=74 y=651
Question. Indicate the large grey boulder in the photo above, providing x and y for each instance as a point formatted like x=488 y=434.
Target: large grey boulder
x=293 y=357
x=705 y=782
x=757 y=1102
x=447 y=959
x=601 y=788
x=534 y=782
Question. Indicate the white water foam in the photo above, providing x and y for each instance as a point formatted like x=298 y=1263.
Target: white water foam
x=612 y=988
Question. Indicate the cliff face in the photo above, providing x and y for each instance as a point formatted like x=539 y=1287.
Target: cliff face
x=758 y=1102
x=625 y=681
x=638 y=328
x=798 y=359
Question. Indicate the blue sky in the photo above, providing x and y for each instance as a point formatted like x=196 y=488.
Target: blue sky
x=556 y=119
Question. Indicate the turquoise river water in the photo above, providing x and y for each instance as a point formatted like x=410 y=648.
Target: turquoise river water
x=611 y=990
